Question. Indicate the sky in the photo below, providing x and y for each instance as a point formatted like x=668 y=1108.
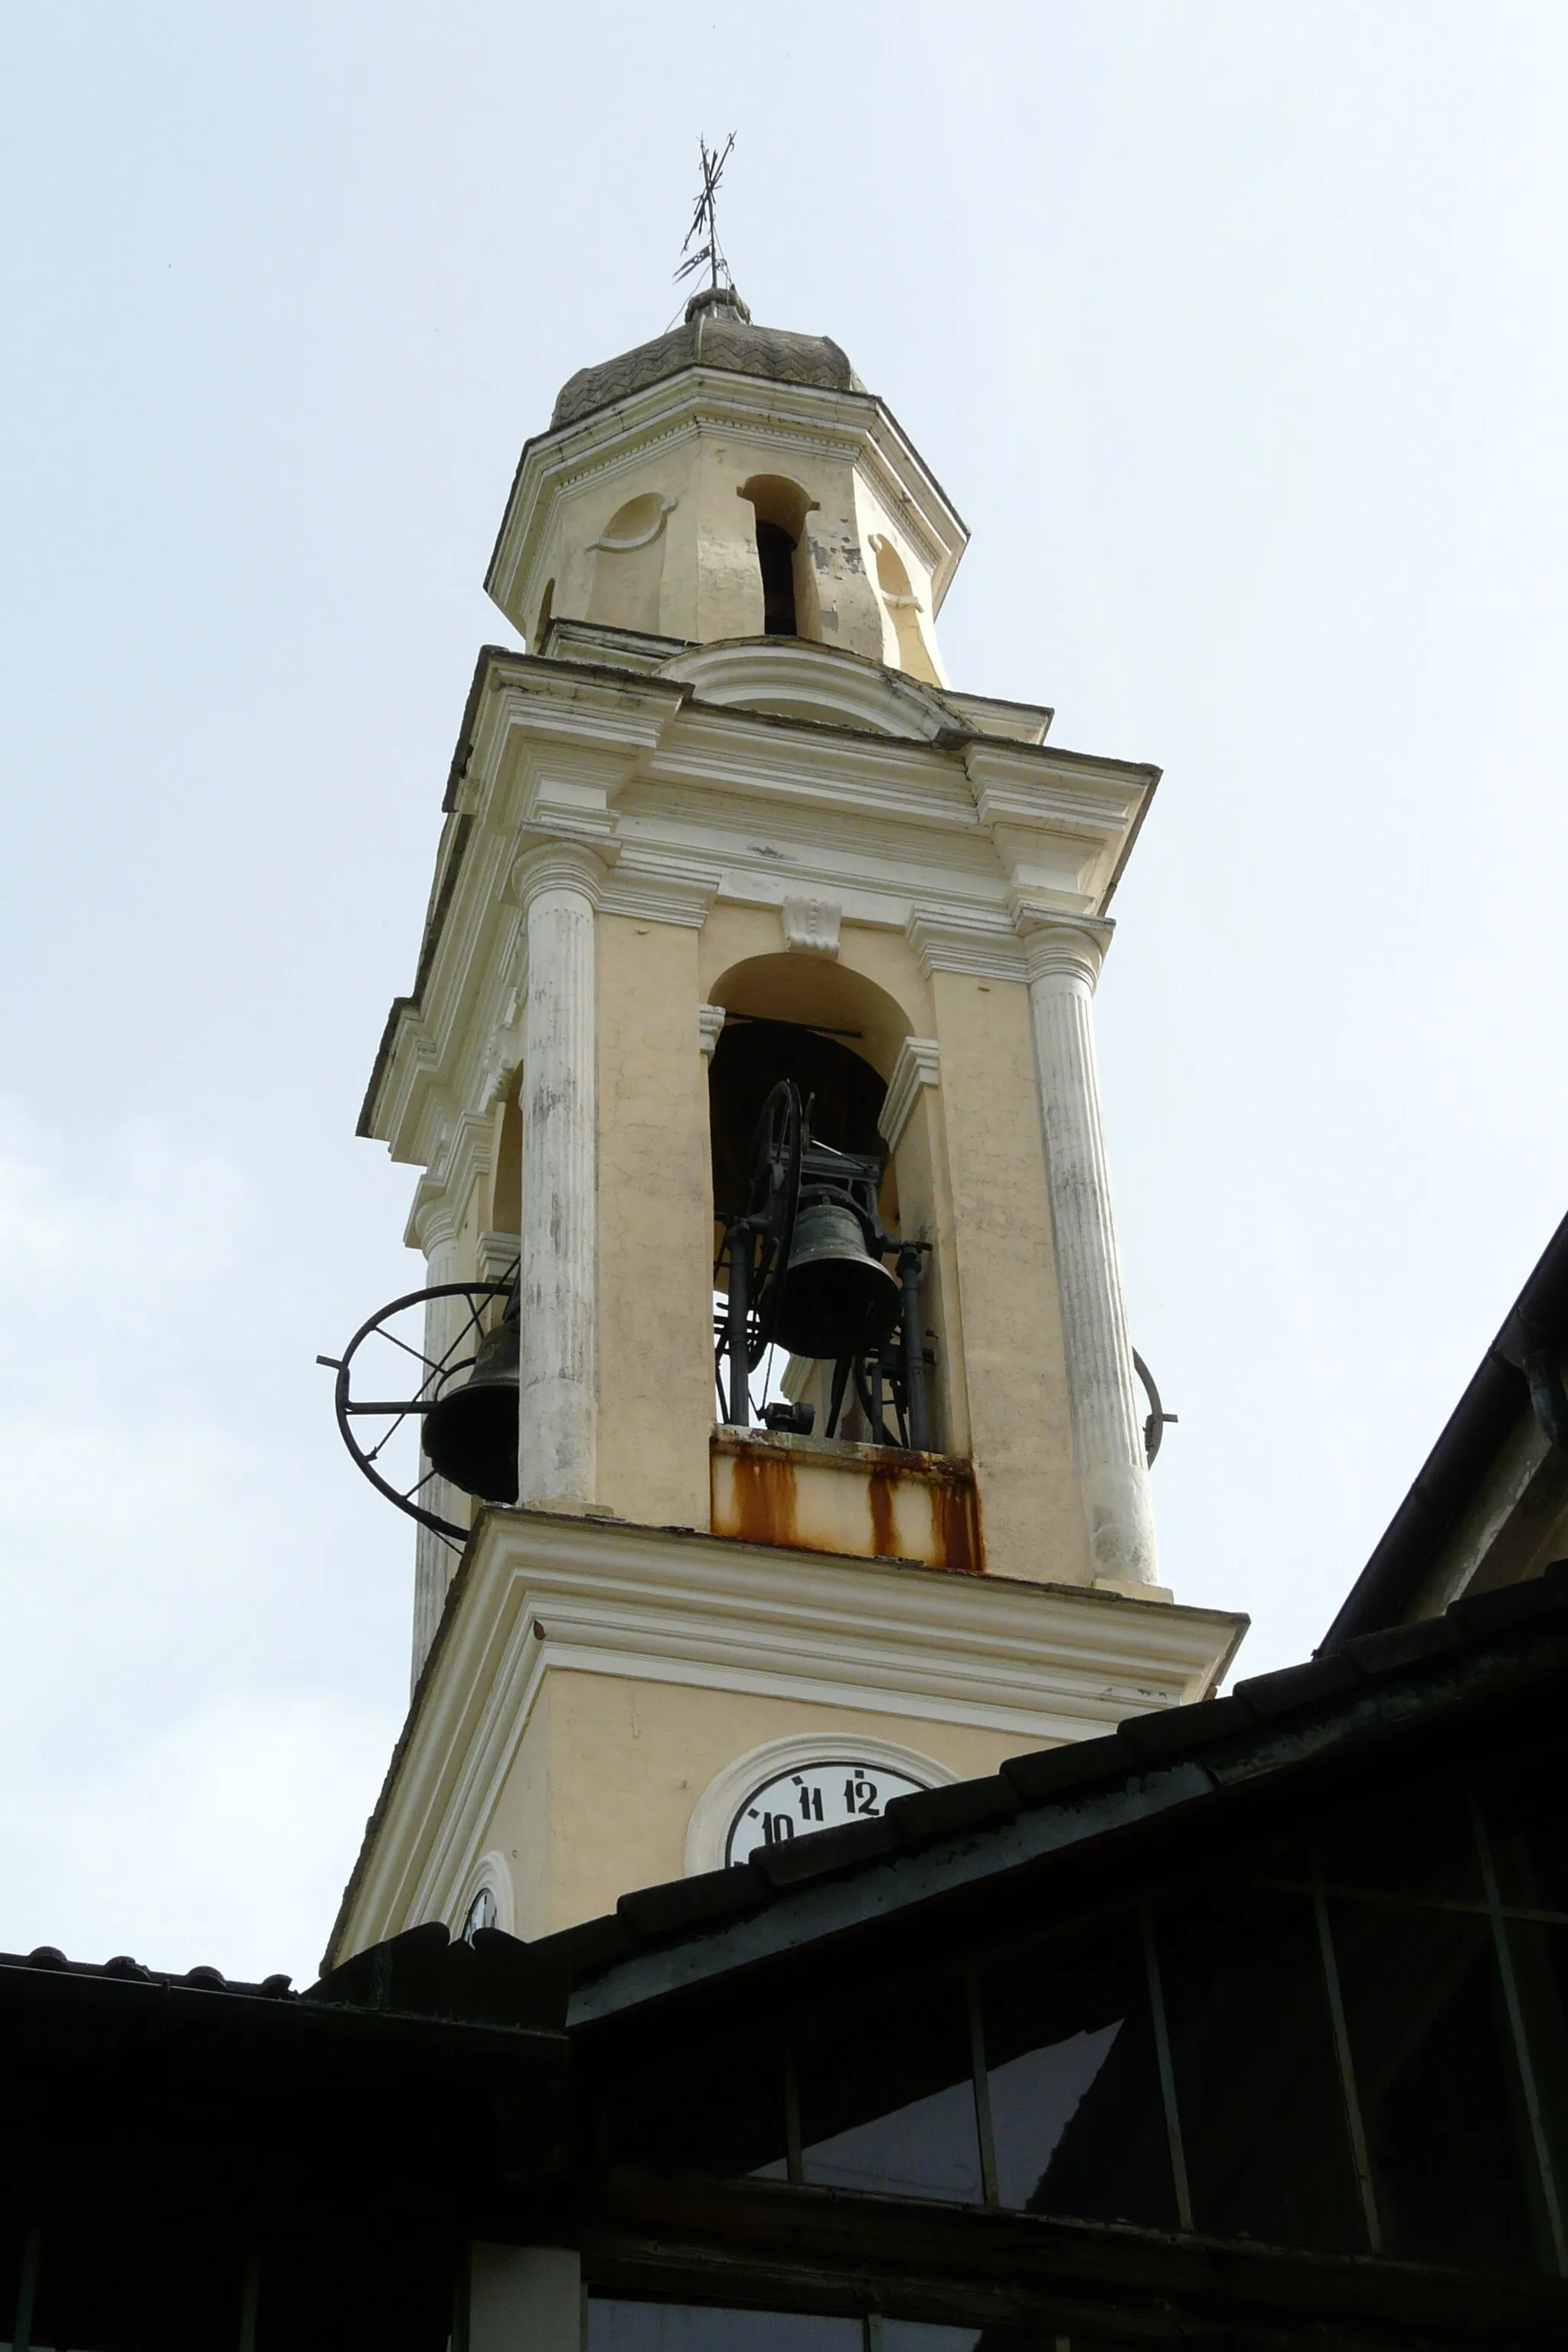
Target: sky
x=1235 y=331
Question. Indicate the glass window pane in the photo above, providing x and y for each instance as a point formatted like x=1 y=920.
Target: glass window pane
x=1420 y=1845
x=718 y=2109
x=887 y=2097
x=1258 y=2079
x=615 y=2326
x=1540 y=1973
x=1437 y=2083
x=1077 y=2118
x=1527 y=1824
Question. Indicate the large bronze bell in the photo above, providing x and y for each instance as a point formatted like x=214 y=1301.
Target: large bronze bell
x=471 y=1435
x=835 y=1298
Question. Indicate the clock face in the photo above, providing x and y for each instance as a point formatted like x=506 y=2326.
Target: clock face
x=813 y=1797
x=482 y=1913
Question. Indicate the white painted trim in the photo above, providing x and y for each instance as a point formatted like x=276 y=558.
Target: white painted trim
x=490 y=1870
x=919 y=1064
x=707 y=1832
x=711 y=1020
x=524 y=2299
x=810 y=924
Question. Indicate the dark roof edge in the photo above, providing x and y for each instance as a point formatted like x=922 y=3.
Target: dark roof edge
x=1451 y=1472
x=667 y=1939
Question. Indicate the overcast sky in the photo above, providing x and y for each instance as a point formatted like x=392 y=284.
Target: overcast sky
x=1237 y=334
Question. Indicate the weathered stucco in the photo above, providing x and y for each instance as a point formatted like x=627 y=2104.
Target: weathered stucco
x=625 y=1761
x=1019 y=1422
x=656 y=1380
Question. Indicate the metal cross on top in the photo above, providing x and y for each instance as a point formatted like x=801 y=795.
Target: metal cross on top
x=703 y=218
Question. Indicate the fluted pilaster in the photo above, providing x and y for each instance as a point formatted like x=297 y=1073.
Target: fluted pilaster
x=1064 y=962
x=436 y=1227
x=558 y=886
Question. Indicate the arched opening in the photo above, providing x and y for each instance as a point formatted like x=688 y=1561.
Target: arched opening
x=790 y=603
x=506 y=1189
x=546 y=606
x=775 y=561
x=903 y=611
x=628 y=565
x=826 y=1281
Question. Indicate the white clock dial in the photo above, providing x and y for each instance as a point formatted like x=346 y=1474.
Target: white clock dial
x=813 y=1797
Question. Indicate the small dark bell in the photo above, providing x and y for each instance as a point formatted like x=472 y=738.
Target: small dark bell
x=837 y=1299
x=471 y=1436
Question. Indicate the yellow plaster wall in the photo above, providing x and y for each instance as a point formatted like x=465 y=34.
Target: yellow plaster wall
x=1017 y=1378
x=656 y=1380
x=709 y=583
x=625 y=1763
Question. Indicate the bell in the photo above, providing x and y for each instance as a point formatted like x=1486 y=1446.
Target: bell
x=471 y=1435
x=835 y=1299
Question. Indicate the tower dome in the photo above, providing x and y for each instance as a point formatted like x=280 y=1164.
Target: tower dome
x=726 y=482
x=717 y=332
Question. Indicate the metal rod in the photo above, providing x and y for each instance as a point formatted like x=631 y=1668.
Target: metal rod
x=911 y=1265
x=249 y=2298
x=735 y=1324
x=1354 y=2118
x=1520 y=2040
x=27 y=2294
x=982 y=2088
x=794 y=2161
x=1167 y=2070
x=835 y=1399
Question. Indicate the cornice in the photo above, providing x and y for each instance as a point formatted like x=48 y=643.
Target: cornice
x=960 y=846
x=539 y=1593
x=944 y=939
x=919 y=1064
x=441 y=1196
x=856 y=427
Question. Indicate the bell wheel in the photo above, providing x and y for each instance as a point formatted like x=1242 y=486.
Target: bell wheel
x=391 y=1376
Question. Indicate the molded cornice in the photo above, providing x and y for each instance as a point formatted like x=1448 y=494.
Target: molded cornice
x=959 y=843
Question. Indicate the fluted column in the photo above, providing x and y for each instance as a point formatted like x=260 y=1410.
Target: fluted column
x=558 y=1402
x=436 y=1229
x=1107 y=1425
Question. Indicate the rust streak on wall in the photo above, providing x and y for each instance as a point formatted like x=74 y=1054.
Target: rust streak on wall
x=765 y=1499
x=884 y=1536
x=955 y=1521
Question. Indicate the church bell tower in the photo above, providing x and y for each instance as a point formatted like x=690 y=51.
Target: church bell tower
x=784 y=1446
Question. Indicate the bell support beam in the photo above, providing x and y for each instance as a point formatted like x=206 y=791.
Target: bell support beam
x=557 y=885
x=1064 y=960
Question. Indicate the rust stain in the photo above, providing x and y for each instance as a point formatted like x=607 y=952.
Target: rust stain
x=879 y=1486
x=955 y=1521
x=764 y=1505
x=764 y=1488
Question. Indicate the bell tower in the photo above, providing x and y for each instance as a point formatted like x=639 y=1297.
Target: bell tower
x=785 y=1447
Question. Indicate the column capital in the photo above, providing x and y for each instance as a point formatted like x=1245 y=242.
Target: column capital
x=556 y=866
x=1066 y=946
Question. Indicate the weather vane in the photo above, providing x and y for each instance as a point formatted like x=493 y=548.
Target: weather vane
x=704 y=218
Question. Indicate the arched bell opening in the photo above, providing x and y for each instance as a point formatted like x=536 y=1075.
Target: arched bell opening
x=809 y=1259
x=791 y=606
x=903 y=610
